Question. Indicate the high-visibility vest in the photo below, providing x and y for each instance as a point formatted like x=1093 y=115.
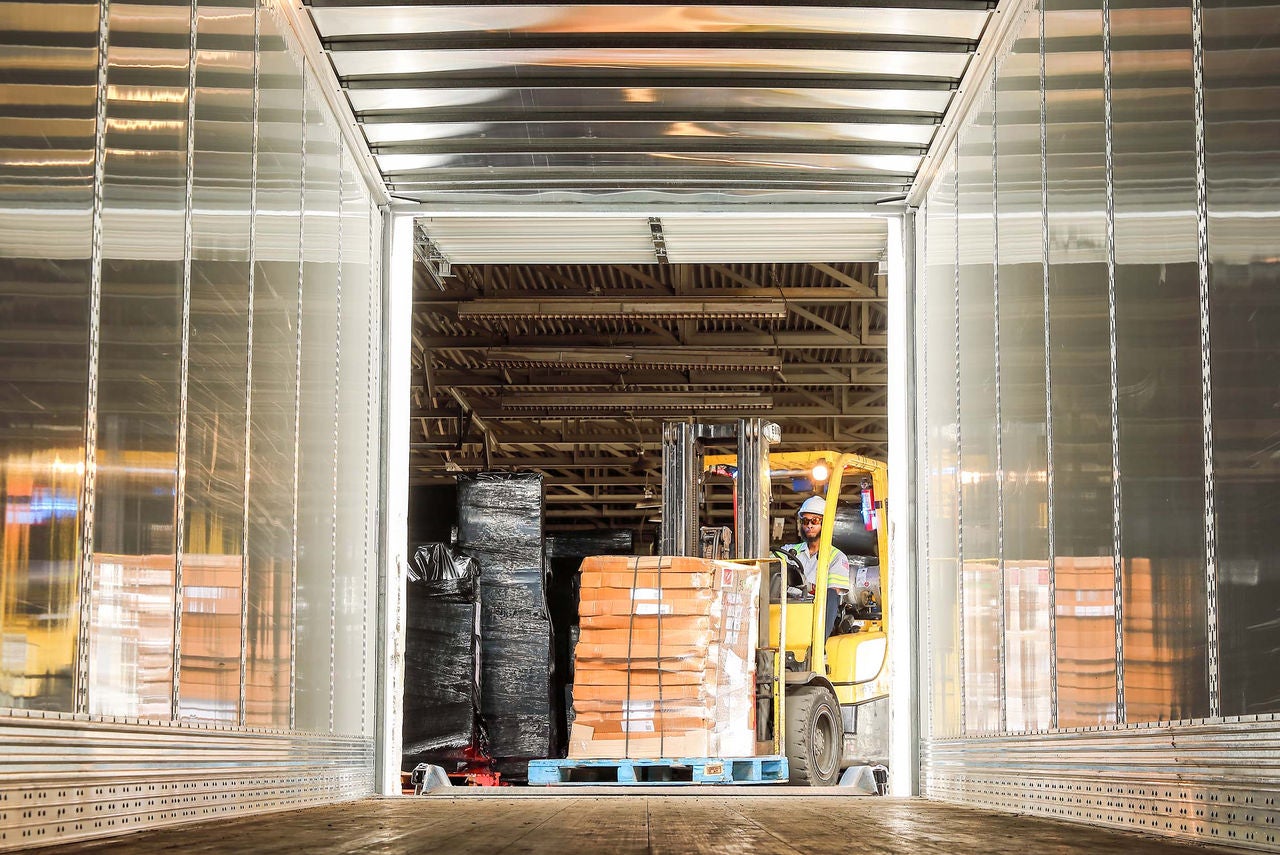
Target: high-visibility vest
x=837 y=568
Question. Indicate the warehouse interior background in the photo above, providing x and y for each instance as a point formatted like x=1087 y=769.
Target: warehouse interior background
x=275 y=272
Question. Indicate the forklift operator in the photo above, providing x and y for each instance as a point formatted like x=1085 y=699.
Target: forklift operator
x=809 y=518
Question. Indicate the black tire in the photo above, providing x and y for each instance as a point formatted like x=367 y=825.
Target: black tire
x=815 y=736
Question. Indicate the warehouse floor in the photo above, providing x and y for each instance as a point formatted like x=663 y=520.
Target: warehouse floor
x=757 y=821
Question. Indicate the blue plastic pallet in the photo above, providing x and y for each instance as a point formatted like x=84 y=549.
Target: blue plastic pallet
x=771 y=769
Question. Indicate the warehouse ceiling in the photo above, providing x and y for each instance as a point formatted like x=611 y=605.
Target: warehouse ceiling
x=637 y=211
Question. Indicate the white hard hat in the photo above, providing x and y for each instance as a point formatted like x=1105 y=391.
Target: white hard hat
x=813 y=505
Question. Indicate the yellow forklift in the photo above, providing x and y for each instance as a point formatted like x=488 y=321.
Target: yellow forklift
x=822 y=701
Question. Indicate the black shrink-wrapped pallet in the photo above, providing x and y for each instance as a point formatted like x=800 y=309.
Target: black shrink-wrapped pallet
x=442 y=695
x=565 y=551
x=500 y=528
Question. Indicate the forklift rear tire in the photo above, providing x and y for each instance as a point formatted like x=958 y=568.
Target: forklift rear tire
x=815 y=737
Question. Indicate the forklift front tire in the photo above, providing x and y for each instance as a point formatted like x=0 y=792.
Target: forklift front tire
x=815 y=737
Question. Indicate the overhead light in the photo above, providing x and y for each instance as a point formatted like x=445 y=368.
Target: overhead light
x=639 y=466
x=549 y=401
x=679 y=358
x=820 y=472
x=639 y=306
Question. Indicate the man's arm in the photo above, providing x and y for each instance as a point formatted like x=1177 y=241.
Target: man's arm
x=838 y=571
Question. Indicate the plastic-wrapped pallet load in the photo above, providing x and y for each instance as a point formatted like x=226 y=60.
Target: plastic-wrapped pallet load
x=442 y=695
x=665 y=665
x=500 y=527
x=565 y=551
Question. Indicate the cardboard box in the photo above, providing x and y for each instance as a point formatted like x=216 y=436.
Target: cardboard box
x=645 y=600
x=645 y=622
x=665 y=665
x=668 y=674
x=644 y=579
x=623 y=693
x=583 y=745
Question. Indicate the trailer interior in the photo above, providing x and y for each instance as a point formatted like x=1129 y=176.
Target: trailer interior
x=279 y=279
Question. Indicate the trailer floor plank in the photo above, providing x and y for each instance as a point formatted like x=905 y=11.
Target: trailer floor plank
x=767 y=821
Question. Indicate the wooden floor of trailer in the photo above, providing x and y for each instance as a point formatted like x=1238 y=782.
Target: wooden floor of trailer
x=717 y=820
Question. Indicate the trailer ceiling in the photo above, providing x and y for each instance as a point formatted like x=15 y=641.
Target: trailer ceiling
x=717 y=151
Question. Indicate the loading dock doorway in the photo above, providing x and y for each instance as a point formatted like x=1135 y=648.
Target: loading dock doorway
x=529 y=339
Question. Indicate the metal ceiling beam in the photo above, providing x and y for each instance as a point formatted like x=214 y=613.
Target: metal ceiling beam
x=611 y=498
x=507 y=40
x=619 y=355
x=869 y=374
x=557 y=439
x=586 y=480
x=554 y=402
x=553 y=460
x=534 y=115
x=816 y=294
x=840 y=276
x=625 y=307
x=597 y=469
x=581 y=477
x=648 y=78
x=716 y=340
x=648 y=380
x=524 y=406
x=659 y=145
x=624 y=435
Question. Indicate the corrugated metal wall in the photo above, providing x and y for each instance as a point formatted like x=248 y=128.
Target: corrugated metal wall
x=1099 y=420
x=189 y=434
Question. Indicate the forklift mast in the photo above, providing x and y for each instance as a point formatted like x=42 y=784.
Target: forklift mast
x=682 y=443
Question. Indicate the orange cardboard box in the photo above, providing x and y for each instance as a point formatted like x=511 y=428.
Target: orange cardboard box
x=609 y=727
x=643 y=653
x=656 y=563
x=584 y=745
x=618 y=674
x=665 y=671
x=622 y=694
x=696 y=637
x=644 y=579
x=584 y=663
x=701 y=623
x=623 y=606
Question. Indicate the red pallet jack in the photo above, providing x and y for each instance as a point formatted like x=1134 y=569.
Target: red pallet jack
x=475 y=769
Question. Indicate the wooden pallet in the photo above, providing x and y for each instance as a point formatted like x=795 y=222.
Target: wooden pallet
x=659 y=772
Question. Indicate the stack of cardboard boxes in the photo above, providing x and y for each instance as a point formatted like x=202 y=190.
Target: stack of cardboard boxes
x=665 y=663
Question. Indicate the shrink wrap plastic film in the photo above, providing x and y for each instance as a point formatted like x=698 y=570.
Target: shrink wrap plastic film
x=665 y=665
x=500 y=529
x=442 y=697
x=565 y=551
x=573 y=546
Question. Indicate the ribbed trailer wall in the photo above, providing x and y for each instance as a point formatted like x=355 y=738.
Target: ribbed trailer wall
x=189 y=428
x=1097 y=332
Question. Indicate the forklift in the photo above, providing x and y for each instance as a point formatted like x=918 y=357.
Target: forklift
x=822 y=702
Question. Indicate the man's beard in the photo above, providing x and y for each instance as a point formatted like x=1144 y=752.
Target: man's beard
x=811 y=539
